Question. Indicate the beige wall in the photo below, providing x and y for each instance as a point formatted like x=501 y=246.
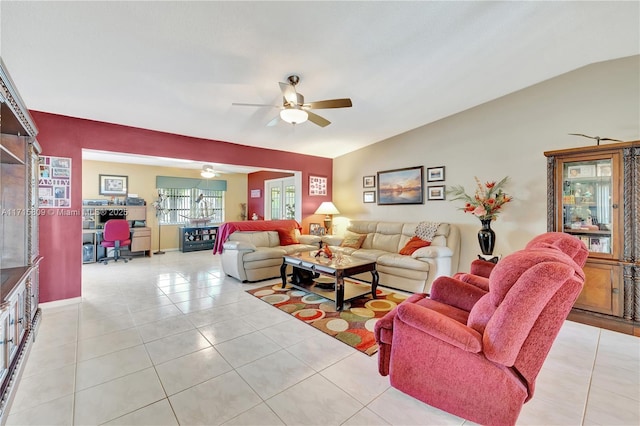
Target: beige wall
x=142 y=181
x=505 y=137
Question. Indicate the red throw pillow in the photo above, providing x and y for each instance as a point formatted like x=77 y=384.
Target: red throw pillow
x=287 y=237
x=414 y=244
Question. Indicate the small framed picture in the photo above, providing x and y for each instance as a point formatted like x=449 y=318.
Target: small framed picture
x=435 y=174
x=314 y=229
x=113 y=185
x=435 y=192
x=255 y=193
x=369 y=197
x=586 y=170
x=369 y=182
x=317 y=185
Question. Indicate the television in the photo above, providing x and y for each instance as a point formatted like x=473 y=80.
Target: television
x=108 y=214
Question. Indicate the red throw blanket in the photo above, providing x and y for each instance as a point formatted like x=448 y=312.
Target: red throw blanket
x=229 y=228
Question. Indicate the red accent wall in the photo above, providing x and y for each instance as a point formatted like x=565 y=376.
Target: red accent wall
x=62 y=136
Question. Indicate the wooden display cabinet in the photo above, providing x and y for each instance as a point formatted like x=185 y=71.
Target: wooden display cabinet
x=19 y=255
x=592 y=193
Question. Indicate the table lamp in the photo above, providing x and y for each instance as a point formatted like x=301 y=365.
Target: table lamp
x=327 y=208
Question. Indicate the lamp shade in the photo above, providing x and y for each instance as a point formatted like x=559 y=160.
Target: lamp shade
x=327 y=208
x=294 y=115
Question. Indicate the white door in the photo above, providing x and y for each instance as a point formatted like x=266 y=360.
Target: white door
x=280 y=200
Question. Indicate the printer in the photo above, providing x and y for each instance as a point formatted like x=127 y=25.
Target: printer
x=134 y=201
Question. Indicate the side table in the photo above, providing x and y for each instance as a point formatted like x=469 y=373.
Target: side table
x=493 y=258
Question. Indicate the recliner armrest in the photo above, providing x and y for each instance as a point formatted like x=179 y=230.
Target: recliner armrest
x=481 y=268
x=238 y=245
x=440 y=326
x=456 y=293
x=476 y=280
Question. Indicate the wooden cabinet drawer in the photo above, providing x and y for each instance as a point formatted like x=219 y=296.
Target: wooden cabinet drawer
x=141 y=232
x=141 y=244
x=601 y=292
x=141 y=239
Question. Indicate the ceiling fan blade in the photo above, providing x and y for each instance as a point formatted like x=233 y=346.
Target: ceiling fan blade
x=255 y=105
x=273 y=122
x=316 y=119
x=330 y=103
x=289 y=93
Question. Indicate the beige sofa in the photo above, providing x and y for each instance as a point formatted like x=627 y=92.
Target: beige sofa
x=257 y=255
x=413 y=273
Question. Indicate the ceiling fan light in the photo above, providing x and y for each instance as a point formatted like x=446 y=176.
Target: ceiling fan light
x=207 y=172
x=294 y=115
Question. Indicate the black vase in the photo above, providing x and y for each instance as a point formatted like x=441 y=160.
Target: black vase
x=486 y=237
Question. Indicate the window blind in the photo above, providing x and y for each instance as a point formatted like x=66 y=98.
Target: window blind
x=172 y=182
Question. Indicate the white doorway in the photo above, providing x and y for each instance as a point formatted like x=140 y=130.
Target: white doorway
x=282 y=199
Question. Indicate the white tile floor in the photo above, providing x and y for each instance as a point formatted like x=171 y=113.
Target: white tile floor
x=170 y=340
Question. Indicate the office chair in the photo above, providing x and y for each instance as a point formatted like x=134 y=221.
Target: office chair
x=116 y=235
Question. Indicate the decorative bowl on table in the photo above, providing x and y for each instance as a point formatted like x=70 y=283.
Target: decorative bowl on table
x=324 y=282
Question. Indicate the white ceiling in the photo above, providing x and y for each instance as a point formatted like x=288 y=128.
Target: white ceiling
x=178 y=66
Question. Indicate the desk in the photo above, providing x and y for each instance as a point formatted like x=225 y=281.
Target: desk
x=91 y=239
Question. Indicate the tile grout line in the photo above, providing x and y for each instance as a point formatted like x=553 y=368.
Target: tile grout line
x=593 y=366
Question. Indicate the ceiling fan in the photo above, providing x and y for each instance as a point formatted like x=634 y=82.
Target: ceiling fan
x=295 y=111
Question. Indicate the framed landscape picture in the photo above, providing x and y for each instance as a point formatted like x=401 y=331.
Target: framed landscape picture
x=435 y=192
x=435 y=174
x=369 y=197
x=401 y=186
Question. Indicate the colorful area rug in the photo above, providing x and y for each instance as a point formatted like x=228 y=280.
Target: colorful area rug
x=353 y=325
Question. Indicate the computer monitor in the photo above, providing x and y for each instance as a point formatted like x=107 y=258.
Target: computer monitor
x=108 y=214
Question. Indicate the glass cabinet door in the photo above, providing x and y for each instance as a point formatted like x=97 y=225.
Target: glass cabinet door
x=587 y=203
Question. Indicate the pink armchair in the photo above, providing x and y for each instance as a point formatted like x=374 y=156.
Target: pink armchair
x=478 y=357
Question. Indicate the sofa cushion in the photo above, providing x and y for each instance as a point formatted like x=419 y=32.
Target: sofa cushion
x=298 y=248
x=413 y=244
x=262 y=253
x=353 y=240
x=287 y=237
x=399 y=261
x=386 y=242
x=368 y=254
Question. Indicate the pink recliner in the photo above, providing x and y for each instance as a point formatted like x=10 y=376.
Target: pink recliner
x=481 y=269
x=477 y=354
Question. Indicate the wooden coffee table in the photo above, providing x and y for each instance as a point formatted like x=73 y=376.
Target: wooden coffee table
x=338 y=269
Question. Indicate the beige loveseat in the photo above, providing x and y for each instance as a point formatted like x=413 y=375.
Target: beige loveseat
x=257 y=255
x=413 y=273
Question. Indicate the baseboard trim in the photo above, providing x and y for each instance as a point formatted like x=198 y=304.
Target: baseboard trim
x=59 y=303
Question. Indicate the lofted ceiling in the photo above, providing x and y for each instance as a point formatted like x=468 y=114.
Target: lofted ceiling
x=177 y=66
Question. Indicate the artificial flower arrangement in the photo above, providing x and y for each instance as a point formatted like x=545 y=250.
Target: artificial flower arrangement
x=487 y=200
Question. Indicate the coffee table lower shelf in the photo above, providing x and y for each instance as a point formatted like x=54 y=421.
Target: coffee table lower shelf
x=343 y=290
x=352 y=290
